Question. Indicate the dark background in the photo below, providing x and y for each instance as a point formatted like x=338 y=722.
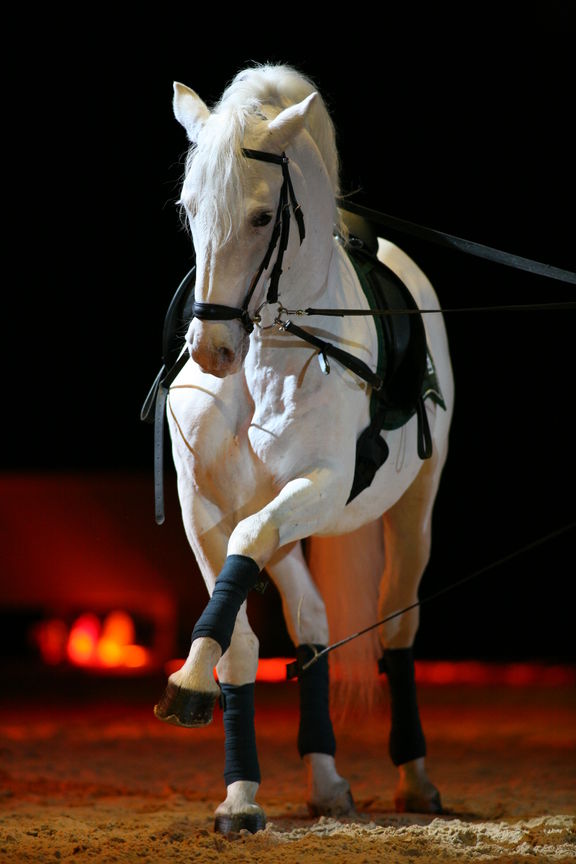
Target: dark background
x=461 y=124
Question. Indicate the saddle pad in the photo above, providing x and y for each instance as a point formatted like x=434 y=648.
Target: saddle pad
x=404 y=363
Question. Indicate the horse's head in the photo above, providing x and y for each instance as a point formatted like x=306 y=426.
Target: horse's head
x=235 y=201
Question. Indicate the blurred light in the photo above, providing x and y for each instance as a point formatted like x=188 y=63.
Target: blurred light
x=92 y=644
x=83 y=640
x=51 y=638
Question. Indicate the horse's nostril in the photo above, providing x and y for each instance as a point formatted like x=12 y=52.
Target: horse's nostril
x=226 y=355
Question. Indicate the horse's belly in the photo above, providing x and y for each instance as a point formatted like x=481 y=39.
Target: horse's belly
x=389 y=484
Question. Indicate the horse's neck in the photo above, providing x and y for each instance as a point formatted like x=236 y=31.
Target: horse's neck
x=323 y=277
x=309 y=273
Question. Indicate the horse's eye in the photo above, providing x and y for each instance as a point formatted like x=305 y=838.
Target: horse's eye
x=261 y=219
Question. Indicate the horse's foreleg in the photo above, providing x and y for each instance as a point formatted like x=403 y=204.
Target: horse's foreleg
x=302 y=504
x=192 y=692
x=407 y=528
x=237 y=673
x=328 y=793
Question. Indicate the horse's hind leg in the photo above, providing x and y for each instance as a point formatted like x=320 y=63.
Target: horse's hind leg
x=407 y=538
x=305 y=615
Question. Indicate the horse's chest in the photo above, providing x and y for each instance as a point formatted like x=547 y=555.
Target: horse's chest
x=278 y=407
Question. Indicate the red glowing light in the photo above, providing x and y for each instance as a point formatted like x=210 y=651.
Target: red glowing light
x=51 y=637
x=93 y=644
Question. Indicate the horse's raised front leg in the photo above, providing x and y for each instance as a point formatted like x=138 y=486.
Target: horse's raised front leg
x=407 y=535
x=303 y=505
x=192 y=692
x=328 y=794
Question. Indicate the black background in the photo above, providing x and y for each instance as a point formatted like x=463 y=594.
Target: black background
x=457 y=122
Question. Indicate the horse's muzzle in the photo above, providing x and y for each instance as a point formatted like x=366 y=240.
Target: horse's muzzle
x=218 y=348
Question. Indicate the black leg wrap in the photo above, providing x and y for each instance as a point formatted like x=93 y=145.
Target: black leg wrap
x=241 y=762
x=238 y=575
x=315 y=733
x=407 y=740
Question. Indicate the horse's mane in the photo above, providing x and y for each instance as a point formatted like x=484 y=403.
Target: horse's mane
x=258 y=92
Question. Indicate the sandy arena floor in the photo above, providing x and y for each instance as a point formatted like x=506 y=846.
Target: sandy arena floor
x=88 y=774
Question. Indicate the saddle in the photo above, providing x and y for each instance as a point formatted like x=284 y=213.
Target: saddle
x=404 y=362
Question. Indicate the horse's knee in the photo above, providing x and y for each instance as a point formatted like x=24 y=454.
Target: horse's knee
x=255 y=537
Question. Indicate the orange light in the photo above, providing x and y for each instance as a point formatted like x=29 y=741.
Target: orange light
x=83 y=640
x=135 y=657
x=116 y=644
x=92 y=644
x=273 y=669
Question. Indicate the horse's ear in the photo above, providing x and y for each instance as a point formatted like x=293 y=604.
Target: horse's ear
x=292 y=120
x=189 y=110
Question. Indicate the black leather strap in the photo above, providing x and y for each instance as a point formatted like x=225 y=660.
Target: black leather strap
x=156 y=400
x=281 y=230
x=219 y=312
x=159 y=416
x=460 y=244
x=344 y=357
x=424 y=435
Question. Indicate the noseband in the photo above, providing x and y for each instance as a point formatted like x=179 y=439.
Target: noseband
x=281 y=232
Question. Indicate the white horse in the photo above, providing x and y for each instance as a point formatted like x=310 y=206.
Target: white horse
x=264 y=427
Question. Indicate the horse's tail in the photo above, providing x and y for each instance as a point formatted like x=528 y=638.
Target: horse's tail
x=347 y=570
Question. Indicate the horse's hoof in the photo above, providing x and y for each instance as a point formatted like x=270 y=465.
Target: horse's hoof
x=188 y=708
x=233 y=823
x=337 y=806
x=419 y=803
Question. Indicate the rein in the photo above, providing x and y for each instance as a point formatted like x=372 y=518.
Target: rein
x=294 y=669
x=458 y=243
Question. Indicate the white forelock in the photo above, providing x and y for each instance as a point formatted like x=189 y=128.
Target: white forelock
x=256 y=94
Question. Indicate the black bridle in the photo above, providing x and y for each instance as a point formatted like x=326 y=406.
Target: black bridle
x=281 y=232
